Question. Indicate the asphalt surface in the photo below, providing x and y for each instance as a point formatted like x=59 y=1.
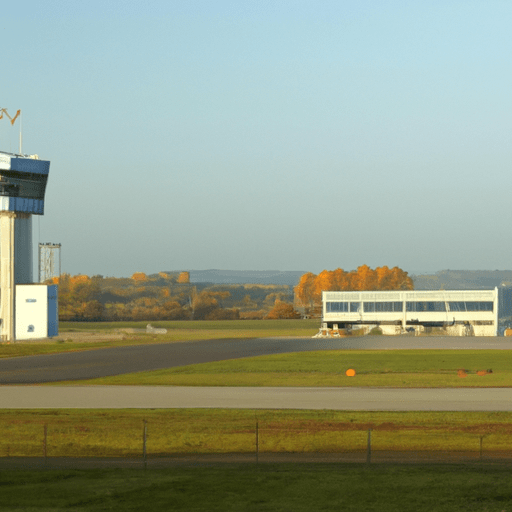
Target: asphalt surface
x=104 y=362
x=119 y=360
x=170 y=397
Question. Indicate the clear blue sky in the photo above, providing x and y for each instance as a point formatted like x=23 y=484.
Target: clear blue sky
x=290 y=135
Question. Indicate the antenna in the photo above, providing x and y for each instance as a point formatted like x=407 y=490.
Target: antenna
x=12 y=119
x=19 y=113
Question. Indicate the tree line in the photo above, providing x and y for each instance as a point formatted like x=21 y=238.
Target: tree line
x=308 y=292
x=167 y=296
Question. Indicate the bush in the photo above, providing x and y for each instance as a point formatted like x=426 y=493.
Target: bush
x=252 y=315
x=223 y=314
x=282 y=310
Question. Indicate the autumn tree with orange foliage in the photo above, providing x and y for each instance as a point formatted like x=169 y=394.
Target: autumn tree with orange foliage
x=206 y=305
x=78 y=297
x=281 y=311
x=184 y=277
x=304 y=290
x=308 y=292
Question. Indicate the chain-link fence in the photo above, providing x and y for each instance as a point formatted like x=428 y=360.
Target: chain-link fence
x=259 y=442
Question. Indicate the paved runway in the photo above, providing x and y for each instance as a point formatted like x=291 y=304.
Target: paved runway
x=91 y=364
x=112 y=361
x=350 y=399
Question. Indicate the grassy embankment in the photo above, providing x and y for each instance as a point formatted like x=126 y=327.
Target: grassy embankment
x=263 y=488
x=118 y=433
x=68 y=341
x=385 y=368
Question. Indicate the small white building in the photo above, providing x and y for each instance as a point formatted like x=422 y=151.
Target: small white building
x=460 y=312
x=37 y=314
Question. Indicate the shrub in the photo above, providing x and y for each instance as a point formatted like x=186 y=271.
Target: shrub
x=282 y=310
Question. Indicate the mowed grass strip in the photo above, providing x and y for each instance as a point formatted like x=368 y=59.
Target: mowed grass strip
x=177 y=331
x=374 y=368
x=218 y=325
x=119 y=433
x=299 y=487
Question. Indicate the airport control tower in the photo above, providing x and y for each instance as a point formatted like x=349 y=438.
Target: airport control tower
x=27 y=310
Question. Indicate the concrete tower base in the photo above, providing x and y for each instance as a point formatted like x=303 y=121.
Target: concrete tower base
x=7 y=220
x=15 y=265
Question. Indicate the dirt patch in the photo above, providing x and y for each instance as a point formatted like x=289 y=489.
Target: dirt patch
x=316 y=426
x=91 y=337
x=80 y=337
x=197 y=460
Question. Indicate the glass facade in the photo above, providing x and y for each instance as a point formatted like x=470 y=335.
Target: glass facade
x=337 y=307
x=411 y=306
x=368 y=307
x=471 y=306
x=425 y=306
x=382 y=307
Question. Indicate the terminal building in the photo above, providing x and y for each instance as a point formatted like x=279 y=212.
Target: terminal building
x=458 y=312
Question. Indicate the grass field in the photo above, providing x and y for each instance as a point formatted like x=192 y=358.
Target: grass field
x=119 y=433
x=272 y=488
x=393 y=368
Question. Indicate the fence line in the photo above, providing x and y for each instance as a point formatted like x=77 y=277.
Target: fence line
x=263 y=442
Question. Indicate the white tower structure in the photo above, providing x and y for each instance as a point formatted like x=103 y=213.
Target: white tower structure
x=23 y=181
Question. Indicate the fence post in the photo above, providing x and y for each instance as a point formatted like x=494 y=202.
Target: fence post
x=257 y=443
x=369 y=447
x=45 y=442
x=144 y=437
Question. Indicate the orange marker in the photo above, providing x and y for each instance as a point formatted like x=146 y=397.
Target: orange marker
x=350 y=372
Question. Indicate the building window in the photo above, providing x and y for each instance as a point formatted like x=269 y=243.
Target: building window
x=369 y=307
x=457 y=306
x=382 y=307
x=471 y=306
x=425 y=306
x=355 y=307
x=337 y=307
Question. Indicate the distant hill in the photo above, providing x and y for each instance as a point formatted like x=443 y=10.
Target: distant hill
x=444 y=279
x=462 y=280
x=215 y=276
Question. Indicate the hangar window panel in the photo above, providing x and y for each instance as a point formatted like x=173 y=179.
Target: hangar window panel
x=471 y=306
x=457 y=306
x=355 y=307
x=337 y=307
x=479 y=306
x=369 y=307
x=382 y=307
x=426 y=306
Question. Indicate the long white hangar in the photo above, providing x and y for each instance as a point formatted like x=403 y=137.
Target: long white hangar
x=459 y=312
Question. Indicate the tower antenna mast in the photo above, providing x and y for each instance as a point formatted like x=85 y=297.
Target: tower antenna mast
x=12 y=119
